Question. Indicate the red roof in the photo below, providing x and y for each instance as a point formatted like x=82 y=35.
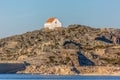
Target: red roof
x=50 y=20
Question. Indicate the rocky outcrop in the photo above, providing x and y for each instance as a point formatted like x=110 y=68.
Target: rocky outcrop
x=43 y=69
x=58 y=49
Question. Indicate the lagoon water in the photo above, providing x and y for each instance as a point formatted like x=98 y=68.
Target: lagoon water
x=54 y=77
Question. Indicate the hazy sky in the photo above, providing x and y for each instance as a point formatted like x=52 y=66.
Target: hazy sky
x=19 y=16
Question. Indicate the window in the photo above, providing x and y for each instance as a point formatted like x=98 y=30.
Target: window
x=55 y=22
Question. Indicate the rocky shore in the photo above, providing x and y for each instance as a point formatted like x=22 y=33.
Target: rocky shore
x=66 y=70
x=77 y=49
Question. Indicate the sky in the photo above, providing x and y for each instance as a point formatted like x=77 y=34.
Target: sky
x=20 y=16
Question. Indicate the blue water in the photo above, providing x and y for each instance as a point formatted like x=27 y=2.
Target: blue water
x=54 y=77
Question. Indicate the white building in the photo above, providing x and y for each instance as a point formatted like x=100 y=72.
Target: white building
x=52 y=23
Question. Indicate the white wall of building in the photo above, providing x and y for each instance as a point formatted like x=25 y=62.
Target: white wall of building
x=55 y=23
x=48 y=25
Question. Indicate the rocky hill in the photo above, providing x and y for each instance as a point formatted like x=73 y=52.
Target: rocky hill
x=64 y=50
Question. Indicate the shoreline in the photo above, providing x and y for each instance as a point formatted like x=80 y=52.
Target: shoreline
x=58 y=70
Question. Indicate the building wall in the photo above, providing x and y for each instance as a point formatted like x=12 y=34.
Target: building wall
x=55 y=23
x=48 y=25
